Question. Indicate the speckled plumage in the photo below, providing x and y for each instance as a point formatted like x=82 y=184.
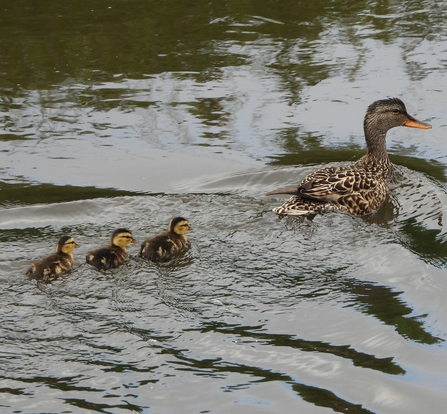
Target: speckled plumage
x=165 y=245
x=113 y=255
x=51 y=267
x=359 y=188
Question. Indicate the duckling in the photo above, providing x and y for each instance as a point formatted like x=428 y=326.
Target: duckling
x=114 y=255
x=163 y=246
x=360 y=188
x=52 y=266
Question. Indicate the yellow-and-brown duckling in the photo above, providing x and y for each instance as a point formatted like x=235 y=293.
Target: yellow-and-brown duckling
x=114 y=255
x=52 y=266
x=359 y=188
x=163 y=246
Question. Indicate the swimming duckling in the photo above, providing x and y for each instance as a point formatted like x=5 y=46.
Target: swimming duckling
x=52 y=266
x=111 y=256
x=165 y=245
x=359 y=188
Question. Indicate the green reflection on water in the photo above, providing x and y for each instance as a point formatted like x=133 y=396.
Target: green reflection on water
x=326 y=398
x=24 y=194
x=429 y=244
x=386 y=305
x=315 y=395
x=344 y=351
x=92 y=40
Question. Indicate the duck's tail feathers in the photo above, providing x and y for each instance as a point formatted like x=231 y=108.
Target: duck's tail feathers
x=290 y=191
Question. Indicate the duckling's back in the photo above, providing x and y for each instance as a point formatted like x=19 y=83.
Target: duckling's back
x=50 y=267
x=162 y=247
x=106 y=257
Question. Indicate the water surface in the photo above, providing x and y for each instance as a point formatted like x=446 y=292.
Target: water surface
x=126 y=113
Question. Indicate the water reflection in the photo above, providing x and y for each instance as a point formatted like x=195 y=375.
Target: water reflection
x=128 y=113
x=255 y=334
x=13 y=194
x=216 y=368
x=386 y=305
x=92 y=43
x=325 y=398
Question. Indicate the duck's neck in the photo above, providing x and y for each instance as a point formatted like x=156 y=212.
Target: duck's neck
x=180 y=236
x=123 y=248
x=376 y=155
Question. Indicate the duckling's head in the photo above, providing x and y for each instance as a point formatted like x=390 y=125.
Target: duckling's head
x=389 y=113
x=179 y=225
x=66 y=244
x=121 y=237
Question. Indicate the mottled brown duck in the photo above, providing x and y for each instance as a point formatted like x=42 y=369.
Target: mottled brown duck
x=115 y=254
x=51 y=267
x=360 y=188
x=164 y=246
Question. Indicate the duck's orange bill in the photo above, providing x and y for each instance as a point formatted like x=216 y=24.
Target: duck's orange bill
x=416 y=124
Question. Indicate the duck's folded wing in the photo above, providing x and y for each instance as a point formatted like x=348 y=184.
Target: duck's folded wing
x=330 y=184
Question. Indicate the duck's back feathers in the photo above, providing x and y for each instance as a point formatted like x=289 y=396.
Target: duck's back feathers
x=111 y=256
x=106 y=258
x=162 y=247
x=51 y=267
x=344 y=189
x=165 y=245
x=354 y=190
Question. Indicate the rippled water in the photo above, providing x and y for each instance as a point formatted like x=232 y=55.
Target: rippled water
x=129 y=113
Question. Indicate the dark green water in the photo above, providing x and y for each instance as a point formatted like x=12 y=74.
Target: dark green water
x=127 y=113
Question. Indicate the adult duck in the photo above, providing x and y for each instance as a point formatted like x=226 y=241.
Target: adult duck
x=359 y=188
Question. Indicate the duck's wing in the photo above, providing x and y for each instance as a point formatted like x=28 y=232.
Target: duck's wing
x=106 y=258
x=49 y=267
x=335 y=183
x=161 y=248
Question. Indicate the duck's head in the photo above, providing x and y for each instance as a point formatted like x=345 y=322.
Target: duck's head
x=66 y=244
x=179 y=225
x=389 y=113
x=121 y=237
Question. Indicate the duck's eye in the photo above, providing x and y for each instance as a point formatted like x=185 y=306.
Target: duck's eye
x=395 y=111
